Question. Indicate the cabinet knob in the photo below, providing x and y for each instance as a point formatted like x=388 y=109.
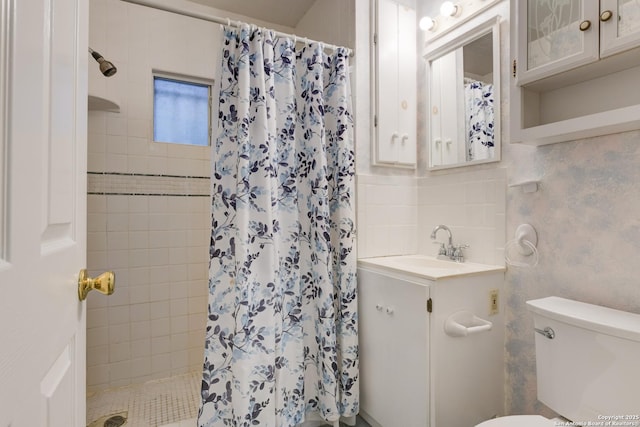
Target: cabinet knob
x=405 y=138
x=606 y=15
x=379 y=307
x=394 y=136
x=585 y=25
x=389 y=310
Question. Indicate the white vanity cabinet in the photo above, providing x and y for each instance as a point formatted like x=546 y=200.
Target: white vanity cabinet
x=412 y=372
x=393 y=346
x=394 y=114
x=575 y=66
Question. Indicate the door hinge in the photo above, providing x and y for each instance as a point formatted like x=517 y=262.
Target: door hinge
x=514 y=68
x=429 y=305
x=375 y=38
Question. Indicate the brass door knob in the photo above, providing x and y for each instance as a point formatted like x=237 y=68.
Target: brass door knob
x=104 y=283
x=606 y=15
x=585 y=25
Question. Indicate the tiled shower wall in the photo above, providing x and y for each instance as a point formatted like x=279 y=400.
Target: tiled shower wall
x=148 y=203
x=153 y=325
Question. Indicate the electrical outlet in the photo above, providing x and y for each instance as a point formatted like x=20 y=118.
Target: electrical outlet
x=493 y=302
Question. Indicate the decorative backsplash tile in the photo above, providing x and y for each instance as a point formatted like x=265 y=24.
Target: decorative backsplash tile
x=146 y=184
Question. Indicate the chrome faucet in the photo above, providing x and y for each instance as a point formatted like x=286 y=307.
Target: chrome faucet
x=445 y=228
x=450 y=251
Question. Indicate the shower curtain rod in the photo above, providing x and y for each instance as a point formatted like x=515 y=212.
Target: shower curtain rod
x=225 y=21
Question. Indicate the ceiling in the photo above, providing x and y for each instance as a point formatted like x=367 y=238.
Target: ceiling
x=282 y=12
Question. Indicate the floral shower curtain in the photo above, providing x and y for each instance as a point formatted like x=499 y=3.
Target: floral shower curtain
x=281 y=339
x=480 y=119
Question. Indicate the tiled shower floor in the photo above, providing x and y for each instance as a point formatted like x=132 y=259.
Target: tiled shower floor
x=171 y=402
x=152 y=404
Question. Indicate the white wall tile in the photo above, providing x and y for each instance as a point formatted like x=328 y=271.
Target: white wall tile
x=141 y=349
x=141 y=368
x=98 y=376
x=119 y=352
x=139 y=311
x=160 y=365
x=161 y=344
x=98 y=337
x=119 y=333
x=119 y=315
x=97 y=356
x=159 y=309
x=160 y=327
x=141 y=330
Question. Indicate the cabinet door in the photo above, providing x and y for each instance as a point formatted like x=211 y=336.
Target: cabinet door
x=388 y=137
x=395 y=84
x=406 y=106
x=554 y=36
x=394 y=358
x=619 y=26
x=406 y=374
x=447 y=104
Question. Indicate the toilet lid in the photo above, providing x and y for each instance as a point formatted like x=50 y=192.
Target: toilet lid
x=518 y=421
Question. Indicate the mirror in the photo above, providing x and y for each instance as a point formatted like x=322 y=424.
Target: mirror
x=464 y=99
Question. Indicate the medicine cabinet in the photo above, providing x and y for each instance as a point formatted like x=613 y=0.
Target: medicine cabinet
x=576 y=64
x=464 y=96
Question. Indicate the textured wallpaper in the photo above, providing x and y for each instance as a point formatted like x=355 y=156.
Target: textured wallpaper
x=587 y=215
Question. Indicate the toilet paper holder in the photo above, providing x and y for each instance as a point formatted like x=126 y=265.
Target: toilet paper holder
x=463 y=323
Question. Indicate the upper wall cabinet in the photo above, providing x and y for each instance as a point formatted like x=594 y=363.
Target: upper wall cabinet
x=575 y=66
x=395 y=85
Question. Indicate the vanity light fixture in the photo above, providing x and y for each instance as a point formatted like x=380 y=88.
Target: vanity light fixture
x=448 y=8
x=427 y=23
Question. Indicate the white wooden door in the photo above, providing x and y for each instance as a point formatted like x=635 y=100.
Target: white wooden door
x=43 y=79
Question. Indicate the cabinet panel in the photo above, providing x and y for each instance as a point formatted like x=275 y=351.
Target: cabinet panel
x=395 y=83
x=387 y=78
x=619 y=26
x=394 y=358
x=447 y=102
x=407 y=70
x=555 y=36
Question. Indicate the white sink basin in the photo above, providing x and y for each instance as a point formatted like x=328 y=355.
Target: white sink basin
x=426 y=266
x=422 y=261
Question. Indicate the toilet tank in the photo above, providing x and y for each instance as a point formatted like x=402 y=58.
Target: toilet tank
x=590 y=369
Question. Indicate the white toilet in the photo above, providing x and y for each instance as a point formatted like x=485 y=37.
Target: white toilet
x=587 y=360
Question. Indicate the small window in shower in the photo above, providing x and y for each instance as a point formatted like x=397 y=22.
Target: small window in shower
x=181 y=111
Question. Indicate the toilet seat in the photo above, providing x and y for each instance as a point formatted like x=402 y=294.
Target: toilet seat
x=518 y=421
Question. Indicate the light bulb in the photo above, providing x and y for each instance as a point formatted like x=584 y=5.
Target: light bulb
x=449 y=9
x=427 y=23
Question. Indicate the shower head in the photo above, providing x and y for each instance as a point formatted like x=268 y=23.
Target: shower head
x=106 y=67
